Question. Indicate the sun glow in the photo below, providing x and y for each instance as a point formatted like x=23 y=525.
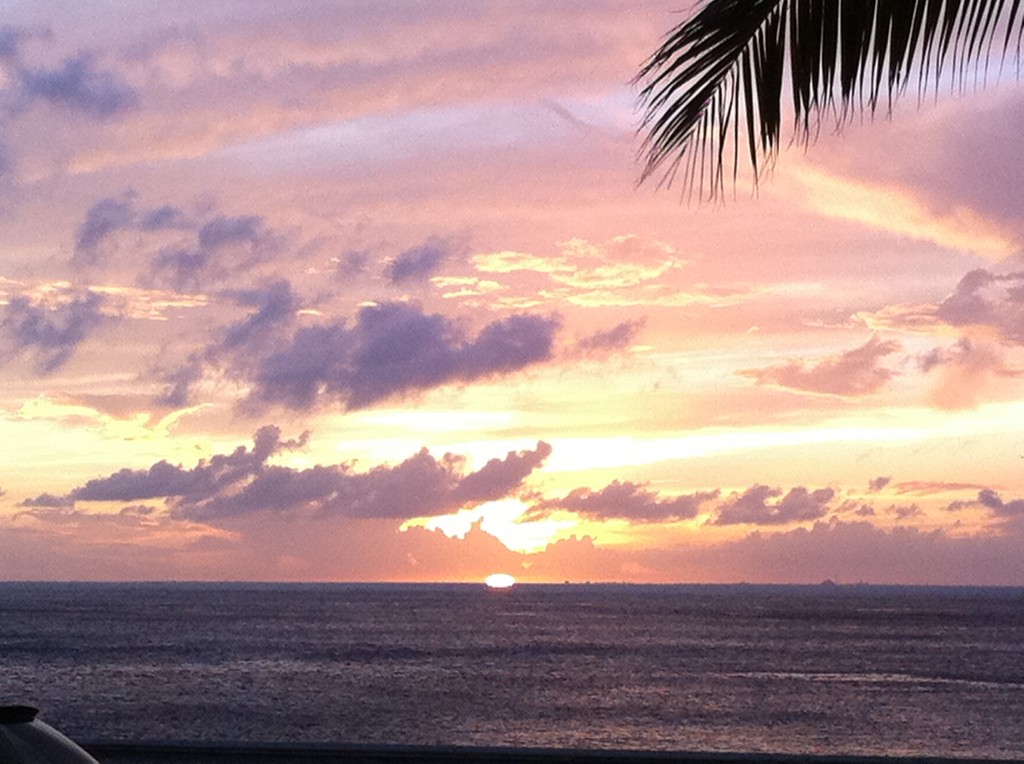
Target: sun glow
x=502 y=519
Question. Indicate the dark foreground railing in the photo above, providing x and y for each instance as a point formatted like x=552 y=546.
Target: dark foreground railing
x=226 y=753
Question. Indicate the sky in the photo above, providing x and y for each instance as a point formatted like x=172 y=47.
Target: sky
x=368 y=291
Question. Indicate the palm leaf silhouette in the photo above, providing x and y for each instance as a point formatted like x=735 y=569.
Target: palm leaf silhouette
x=714 y=88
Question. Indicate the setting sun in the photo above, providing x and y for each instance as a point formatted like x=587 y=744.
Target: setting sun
x=500 y=581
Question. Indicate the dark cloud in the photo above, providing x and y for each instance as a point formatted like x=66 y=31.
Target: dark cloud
x=79 y=86
x=51 y=333
x=754 y=506
x=630 y=501
x=878 y=483
x=394 y=349
x=242 y=482
x=418 y=263
x=619 y=337
x=856 y=372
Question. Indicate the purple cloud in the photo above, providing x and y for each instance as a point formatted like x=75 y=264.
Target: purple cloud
x=179 y=382
x=904 y=511
x=51 y=334
x=394 y=349
x=243 y=482
x=630 y=501
x=238 y=346
x=223 y=246
x=10 y=40
x=201 y=251
x=104 y=218
x=118 y=213
x=163 y=218
x=619 y=337
x=1008 y=509
x=754 y=506
x=983 y=298
x=79 y=86
x=499 y=477
x=352 y=264
x=165 y=480
x=275 y=305
x=878 y=483
x=417 y=263
x=223 y=231
x=860 y=551
x=180 y=269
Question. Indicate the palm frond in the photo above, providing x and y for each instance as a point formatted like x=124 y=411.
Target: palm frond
x=718 y=78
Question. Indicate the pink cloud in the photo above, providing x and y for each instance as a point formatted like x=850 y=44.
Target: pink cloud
x=853 y=373
x=762 y=505
x=951 y=156
x=858 y=551
x=967 y=374
x=628 y=501
x=251 y=75
x=987 y=299
x=243 y=482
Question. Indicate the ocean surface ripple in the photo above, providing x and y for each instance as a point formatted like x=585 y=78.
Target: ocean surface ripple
x=787 y=669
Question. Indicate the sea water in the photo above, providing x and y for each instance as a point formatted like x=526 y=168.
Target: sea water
x=819 y=669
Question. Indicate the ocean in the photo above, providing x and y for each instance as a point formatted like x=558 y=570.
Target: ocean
x=846 y=670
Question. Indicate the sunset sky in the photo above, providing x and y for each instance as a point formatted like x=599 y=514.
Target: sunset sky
x=367 y=291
